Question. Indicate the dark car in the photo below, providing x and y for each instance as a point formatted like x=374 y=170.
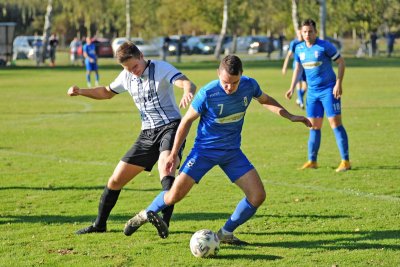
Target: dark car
x=103 y=47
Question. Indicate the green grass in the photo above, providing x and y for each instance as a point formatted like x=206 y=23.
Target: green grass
x=57 y=152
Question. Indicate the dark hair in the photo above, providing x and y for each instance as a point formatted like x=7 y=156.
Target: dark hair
x=232 y=65
x=126 y=51
x=309 y=22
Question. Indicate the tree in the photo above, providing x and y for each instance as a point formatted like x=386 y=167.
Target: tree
x=221 y=37
x=47 y=29
x=128 y=18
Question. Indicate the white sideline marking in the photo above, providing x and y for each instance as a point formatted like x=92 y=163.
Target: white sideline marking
x=55 y=158
x=351 y=192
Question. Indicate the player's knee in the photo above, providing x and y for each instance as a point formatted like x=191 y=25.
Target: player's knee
x=114 y=183
x=257 y=198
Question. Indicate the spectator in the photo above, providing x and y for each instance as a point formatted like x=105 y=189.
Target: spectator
x=37 y=49
x=390 y=38
x=53 y=43
x=179 y=50
x=374 y=46
x=74 y=46
x=281 y=39
x=165 y=48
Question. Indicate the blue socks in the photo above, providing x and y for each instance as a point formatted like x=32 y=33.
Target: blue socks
x=342 y=142
x=242 y=213
x=300 y=95
x=158 y=203
x=314 y=142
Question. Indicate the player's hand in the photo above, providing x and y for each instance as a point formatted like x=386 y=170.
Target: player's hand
x=170 y=163
x=186 y=99
x=289 y=94
x=302 y=119
x=73 y=91
x=337 y=91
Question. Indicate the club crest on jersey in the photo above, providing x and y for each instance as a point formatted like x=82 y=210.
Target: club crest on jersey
x=190 y=163
x=316 y=54
x=245 y=101
x=302 y=56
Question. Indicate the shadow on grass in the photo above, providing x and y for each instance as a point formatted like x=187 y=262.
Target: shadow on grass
x=66 y=188
x=349 y=240
x=222 y=256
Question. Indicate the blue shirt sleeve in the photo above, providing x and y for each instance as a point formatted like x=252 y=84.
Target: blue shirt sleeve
x=199 y=101
x=331 y=51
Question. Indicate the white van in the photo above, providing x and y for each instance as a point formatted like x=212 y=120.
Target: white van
x=23 y=47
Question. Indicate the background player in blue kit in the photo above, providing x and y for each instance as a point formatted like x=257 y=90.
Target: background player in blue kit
x=221 y=106
x=301 y=84
x=324 y=91
x=89 y=53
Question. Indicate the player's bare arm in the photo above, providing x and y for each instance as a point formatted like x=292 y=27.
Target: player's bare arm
x=337 y=90
x=180 y=136
x=271 y=104
x=295 y=78
x=95 y=93
x=189 y=89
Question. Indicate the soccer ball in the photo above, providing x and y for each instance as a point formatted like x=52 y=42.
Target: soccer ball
x=204 y=243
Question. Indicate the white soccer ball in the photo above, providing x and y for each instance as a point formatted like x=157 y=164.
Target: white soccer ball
x=204 y=243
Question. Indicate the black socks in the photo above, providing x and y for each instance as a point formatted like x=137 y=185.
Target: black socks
x=107 y=203
x=166 y=183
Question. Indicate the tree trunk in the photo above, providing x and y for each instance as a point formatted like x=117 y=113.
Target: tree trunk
x=128 y=18
x=221 y=38
x=295 y=15
x=47 y=29
x=322 y=17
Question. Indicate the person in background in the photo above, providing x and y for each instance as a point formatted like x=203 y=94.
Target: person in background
x=37 y=49
x=324 y=92
x=74 y=47
x=89 y=53
x=53 y=43
x=301 y=84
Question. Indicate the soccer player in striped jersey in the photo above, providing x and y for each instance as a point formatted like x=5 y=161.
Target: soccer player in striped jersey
x=150 y=84
x=324 y=92
x=221 y=106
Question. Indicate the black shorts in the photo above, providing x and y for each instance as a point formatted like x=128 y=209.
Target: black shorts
x=150 y=143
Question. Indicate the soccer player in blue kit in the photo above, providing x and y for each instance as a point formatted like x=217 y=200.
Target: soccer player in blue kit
x=324 y=92
x=301 y=84
x=221 y=106
x=89 y=52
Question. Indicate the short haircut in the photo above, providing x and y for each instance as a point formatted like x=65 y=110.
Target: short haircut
x=232 y=65
x=309 y=22
x=127 y=51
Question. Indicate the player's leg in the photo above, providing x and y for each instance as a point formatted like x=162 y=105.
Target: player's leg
x=123 y=173
x=167 y=178
x=333 y=111
x=315 y=114
x=242 y=173
x=192 y=171
x=89 y=84
x=181 y=186
x=96 y=71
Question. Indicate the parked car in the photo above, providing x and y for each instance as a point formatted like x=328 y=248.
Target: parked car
x=146 y=48
x=203 y=44
x=252 y=44
x=23 y=47
x=103 y=47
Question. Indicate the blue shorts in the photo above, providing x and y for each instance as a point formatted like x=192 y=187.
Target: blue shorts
x=233 y=162
x=320 y=101
x=91 y=66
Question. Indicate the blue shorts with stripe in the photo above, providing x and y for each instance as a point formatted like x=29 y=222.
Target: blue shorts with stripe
x=232 y=161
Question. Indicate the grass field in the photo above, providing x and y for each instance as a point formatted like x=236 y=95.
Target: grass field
x=57 y=152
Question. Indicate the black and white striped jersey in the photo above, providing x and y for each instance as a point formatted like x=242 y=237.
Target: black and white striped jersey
x=152 y=93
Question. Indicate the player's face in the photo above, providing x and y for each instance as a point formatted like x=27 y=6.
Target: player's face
x=229 y=83
x=136 y=66
x=309 y=34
